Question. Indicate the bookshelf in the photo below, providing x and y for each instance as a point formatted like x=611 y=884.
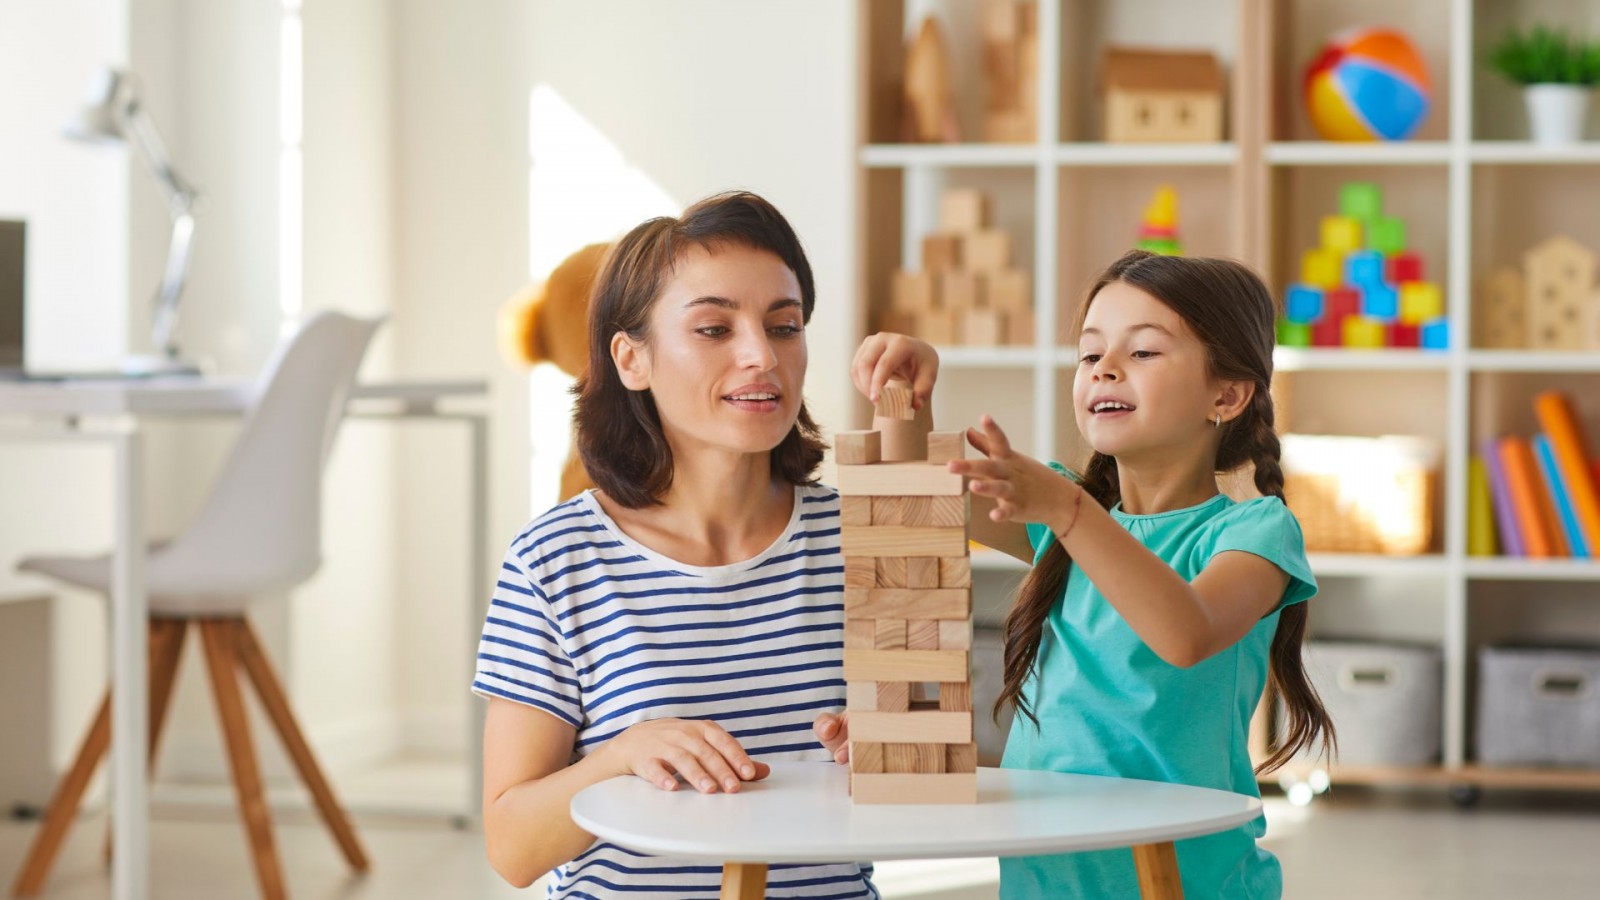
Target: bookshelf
x=1474 y=194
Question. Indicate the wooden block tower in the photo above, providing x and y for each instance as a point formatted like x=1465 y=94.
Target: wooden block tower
x=908 y=609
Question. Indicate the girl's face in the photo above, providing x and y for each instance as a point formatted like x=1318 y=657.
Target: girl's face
x=1142 y=389
x=726 y=355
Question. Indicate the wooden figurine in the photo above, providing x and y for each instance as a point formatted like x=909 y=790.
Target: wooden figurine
x=1560 y=286
x=1011 y=71
x=1161 y=96
x=1503 y=322
x=930 y=106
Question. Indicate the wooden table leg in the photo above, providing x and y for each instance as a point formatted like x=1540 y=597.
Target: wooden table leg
x=1157 y=865
x=744 y=881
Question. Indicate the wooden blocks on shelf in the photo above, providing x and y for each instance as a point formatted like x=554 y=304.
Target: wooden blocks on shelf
x=908 y=621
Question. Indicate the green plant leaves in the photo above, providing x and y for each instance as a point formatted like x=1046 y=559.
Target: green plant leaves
x=1546 y=56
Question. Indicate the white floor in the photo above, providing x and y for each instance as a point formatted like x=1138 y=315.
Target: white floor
x=1353 y=843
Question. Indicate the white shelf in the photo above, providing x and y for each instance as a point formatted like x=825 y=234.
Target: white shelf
x=1528 y=153
x=1101 y=154
x=1328 y=153
x=894 y=156
x=1308 y=359
x=1533 y=361
x=956 y=357
x=1362 y=564
x=1501 y=568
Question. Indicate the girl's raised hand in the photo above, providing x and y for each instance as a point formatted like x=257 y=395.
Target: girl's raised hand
x=1023 y=489
x=707 y=757
x=886 y=354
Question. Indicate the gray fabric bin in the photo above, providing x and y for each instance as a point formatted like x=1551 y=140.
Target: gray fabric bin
x=1539 y=706
x=1384 y=699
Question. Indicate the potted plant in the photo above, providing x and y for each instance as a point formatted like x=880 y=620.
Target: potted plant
x=1557 y=73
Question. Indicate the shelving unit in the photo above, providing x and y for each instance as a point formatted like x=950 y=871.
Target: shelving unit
x=1474 y=194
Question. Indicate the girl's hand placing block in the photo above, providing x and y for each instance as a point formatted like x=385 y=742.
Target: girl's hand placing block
x=1022 y=488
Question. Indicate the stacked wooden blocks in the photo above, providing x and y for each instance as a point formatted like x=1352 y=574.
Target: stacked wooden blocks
x=1011 y=71
x=968 y=291
x=908 y=610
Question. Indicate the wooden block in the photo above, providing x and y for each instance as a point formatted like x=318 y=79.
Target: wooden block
x=944 y=446
x=890 y=634
x=860 y=634
x=954 y=571
x=941 y=253
x=891 y=572
x=901 y=540
x=861 y=696
x=981 y=328
x=887 y=511
x=901 y=603
x=912 y=788
x=892 y=697
x=922 y=572
x=1020 y=328
x=938 y=512
x=955 y=634
x=894 y=401
x=855 y=510
x=955 y=696
x=912 y=727
x=959 y=291
x=866 y=757
x=905 y=665
x=957 y=758
x=1010 y=290
x=899 y=758
x=963 y=209
x=987 y=250
x=862 y=572
x=922 y=634
x=902 y=479
x=936 y=326
x=857 y=448
x=1503 y=319
x=911 y=293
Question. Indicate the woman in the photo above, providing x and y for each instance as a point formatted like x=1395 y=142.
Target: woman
x=682 y=621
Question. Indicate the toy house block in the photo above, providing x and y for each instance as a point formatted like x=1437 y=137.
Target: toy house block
x=941 y=253
x=1154 y=95
x=892 y=571
x=955 y=696
x=1010 y=290
x=1010 y=43
x=902 y=603
x=899 y=479
x=901 y=540
x=867 y=758
x=857 y=448
x=911 y=293
x=905 y=665
x=1560 y=276
x=936 y=326
x=962 y=210
x=944 y=446
x=891 y=697
x=855 y=510
x=860 y=571
x=959 y=291
x=914 y=788
x=912 y=727
x=955 y=571
x=987 y=250
x=1503 y=319
x=922 y=634
x=955 y=634
x=889 y=634
x=982 y=328
x=922 y=572
x=930 y=115
x=861 y=634
x=894 y=402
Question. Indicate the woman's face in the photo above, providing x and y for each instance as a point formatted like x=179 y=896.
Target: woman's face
x=726 y=355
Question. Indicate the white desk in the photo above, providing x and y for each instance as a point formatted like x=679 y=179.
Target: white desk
x=802 y=813
x=112 y=412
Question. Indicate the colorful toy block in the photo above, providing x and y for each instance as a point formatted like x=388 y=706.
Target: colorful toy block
x=1341 y=234
x=1360 y=200
x=1363 y=268
x=1420 y=301
x=1404 y=267
x=1320 y=268
x=1304 y=303
x=1362 y=332
x=1340 y=302
x=1328 y=331
x=1386 y=235
x=1436 y=334
x=1294 y=334
x=1404 y=335
x=1380 y=301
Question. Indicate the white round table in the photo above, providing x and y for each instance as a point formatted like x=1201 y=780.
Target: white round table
x=803 y=813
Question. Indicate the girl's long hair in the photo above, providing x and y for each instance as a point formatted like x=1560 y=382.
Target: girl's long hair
x=1230 y=310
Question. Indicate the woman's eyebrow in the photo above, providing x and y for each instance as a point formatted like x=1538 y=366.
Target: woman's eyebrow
x=1139 y=327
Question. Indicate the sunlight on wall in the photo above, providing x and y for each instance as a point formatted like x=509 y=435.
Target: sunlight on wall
x=291 y=214
x=580 y=190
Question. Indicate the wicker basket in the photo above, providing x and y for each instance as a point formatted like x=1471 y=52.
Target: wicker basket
x=1362 y=494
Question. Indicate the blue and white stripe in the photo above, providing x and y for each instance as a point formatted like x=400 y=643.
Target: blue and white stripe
x=601 y=632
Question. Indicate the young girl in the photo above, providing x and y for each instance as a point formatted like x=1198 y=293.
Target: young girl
x=684 y=620
x=1157 y=608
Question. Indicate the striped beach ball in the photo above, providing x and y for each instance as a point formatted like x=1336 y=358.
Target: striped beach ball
x=1367 y=84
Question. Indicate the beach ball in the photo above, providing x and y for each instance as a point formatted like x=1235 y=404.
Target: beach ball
x=1368 y=84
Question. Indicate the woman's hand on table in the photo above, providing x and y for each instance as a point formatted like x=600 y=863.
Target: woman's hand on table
x=703 y=753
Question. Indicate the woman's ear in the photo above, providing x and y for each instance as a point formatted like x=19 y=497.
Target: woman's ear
x=1233 y=398
x=632 y=362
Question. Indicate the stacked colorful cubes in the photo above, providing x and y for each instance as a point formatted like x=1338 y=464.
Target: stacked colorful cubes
x=1360 y=286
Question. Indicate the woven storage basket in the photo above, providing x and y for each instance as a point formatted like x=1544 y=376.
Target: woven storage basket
x=1361 y=494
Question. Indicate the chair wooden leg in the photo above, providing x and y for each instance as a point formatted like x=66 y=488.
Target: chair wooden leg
x=64 y=805
x=166 y=649
x=218 y=636
x=744 y=881
x=276 y=703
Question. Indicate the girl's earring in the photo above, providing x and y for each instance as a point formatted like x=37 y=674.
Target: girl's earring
x=1219 y=420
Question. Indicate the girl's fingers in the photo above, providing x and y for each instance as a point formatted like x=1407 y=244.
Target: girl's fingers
x=979 y=468
x=655 y=772
x=978 y=441
x=997 y=437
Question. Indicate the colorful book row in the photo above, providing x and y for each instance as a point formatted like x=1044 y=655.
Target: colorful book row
x=1536 y=497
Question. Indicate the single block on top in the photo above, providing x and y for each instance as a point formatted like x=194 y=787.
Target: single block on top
x=894 y=401
x=857 y=448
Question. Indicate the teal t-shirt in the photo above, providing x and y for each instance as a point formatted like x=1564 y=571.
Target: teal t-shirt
x=1108 y=705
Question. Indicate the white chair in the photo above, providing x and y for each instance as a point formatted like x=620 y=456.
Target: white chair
x=258 y=533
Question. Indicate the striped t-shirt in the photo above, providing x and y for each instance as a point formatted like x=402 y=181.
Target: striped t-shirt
x=602 y=632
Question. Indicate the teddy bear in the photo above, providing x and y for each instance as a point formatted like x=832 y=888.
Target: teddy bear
x=548 y=322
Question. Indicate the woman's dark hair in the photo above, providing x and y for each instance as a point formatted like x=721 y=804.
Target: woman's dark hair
x=1232 y=314
x=619 y=430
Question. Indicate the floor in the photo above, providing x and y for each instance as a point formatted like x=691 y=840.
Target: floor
x=1351 y=843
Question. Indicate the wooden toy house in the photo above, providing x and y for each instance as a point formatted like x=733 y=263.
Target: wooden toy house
x=1560 y=276
x=1161 y=96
